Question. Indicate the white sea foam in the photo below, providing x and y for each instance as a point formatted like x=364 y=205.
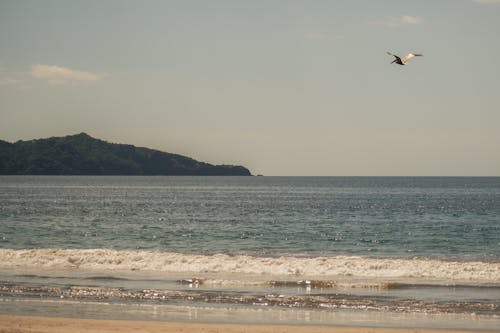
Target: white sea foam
x=346 y=266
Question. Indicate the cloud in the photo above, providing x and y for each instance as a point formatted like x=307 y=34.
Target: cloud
x=487 y=1
x=62 y=75
x=403 y=20
x=411 y=20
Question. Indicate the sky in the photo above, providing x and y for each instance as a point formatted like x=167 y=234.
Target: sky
x=285 y=88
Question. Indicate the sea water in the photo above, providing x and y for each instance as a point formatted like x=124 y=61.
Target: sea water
x=321 y=250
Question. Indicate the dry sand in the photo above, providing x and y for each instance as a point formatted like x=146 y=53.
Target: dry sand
x=27 y=324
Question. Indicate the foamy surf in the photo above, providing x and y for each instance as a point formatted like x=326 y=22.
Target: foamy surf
x=305 y=284
x=332 y=301
x=322 y=267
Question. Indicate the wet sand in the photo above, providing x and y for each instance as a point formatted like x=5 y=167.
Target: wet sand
x=29 y=324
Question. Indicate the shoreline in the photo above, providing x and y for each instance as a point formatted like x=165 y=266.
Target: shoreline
x=29 y=324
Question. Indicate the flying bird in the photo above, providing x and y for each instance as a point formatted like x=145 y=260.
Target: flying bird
x=404 y=60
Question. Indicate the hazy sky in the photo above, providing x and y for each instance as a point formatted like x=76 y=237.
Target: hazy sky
x=282 y=87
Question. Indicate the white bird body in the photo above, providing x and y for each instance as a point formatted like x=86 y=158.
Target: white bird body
x=405 y=59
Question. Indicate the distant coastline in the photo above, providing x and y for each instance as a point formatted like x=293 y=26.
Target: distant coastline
x=82 y=154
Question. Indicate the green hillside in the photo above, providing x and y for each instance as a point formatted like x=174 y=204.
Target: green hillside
x=82 y=154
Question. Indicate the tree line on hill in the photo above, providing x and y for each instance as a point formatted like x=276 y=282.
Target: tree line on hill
x=82 y=154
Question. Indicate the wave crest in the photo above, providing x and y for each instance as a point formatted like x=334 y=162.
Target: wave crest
x=347 y=266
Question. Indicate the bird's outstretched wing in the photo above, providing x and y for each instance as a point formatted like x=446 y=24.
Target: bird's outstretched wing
x=409 y=56
x=396 y=59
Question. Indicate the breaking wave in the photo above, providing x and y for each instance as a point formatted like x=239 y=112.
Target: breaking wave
x=325 y=266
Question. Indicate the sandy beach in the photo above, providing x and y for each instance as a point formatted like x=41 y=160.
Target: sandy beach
x=29 y=324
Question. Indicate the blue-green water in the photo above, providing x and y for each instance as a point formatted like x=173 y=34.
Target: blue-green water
x=443 y=217
x=379 y=244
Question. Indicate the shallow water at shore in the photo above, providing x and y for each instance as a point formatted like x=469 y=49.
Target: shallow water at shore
x=246 y=315
x=254 y=298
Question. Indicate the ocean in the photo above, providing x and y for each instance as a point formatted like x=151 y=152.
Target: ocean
x=374 y=251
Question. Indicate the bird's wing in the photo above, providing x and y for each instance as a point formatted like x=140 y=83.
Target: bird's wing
x=396 y=58
x=409 y=56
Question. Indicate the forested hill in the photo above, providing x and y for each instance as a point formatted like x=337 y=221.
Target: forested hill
x=82 y=154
